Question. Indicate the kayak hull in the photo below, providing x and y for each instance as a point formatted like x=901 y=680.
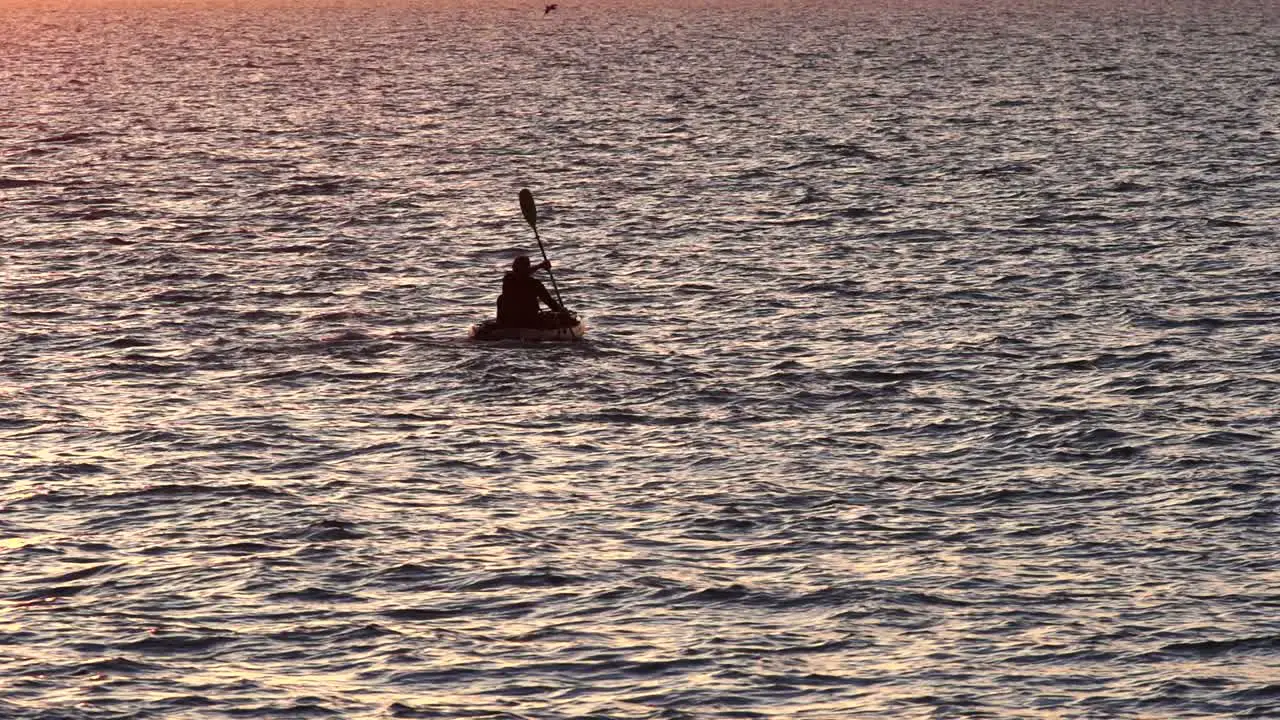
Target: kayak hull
x=560 y=332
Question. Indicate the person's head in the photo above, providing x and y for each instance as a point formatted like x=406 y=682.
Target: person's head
x=521 y=264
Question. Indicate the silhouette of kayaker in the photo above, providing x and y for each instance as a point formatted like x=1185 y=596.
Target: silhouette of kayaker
x=518 y=305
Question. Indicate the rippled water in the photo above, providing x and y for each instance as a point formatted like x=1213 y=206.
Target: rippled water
x=932 y=368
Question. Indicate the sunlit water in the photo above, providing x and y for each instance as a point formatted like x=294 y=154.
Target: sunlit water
x=932 y=364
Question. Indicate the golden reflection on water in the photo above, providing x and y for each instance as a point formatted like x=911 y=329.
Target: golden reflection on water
x=14 y=543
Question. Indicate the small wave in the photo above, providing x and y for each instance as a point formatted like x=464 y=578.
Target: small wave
x=161 y=642
x=926 y=598
x=409 y=573
x=70 y=138
x=10 y=183
x=502 y=580
x=44 y=594
x=884 y=376
x=179 y=297
x=914 y=235
x=115 y=371
x=1101 y=436
x=313 y=594
x=420 y=614
x=1047 y=220
x=80 y=574
x=337 y=316
x=181 y=490
x=330 y=187
x=1226 y=438
x=1206 y=649
x=127 y=342
x=73 y=469
x=327 y=531
x=93 y=214
x=1008 y=169
x=1096 y=69
x=296 y=249
x=851 y=150
x=241 y=548
x=857 y=213
x=1268 y=693
x=115 y=666
x=1129 y=187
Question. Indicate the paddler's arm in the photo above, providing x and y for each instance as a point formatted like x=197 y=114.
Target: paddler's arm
x=546 y=298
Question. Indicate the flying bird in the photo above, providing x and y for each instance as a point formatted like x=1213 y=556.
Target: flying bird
x=547 y=10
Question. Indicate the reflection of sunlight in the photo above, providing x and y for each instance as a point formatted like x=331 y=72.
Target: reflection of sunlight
x=11 y=615
x=13 y=543
x=335 y=687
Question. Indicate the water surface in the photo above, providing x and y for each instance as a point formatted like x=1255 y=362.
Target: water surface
x=931 y=368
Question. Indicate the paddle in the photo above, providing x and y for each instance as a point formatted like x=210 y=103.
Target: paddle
x=530 y=211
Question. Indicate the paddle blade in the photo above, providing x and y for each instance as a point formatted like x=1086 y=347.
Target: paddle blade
x=528 y=208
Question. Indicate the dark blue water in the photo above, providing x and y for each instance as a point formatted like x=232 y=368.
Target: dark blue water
x=931 y=370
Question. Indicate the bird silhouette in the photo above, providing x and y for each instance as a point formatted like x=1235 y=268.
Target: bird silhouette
x=547 y=10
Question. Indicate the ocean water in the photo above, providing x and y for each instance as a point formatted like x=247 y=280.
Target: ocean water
x=932 y=368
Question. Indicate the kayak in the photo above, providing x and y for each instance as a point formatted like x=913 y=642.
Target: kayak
x=491 y=330
x=553 y=329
